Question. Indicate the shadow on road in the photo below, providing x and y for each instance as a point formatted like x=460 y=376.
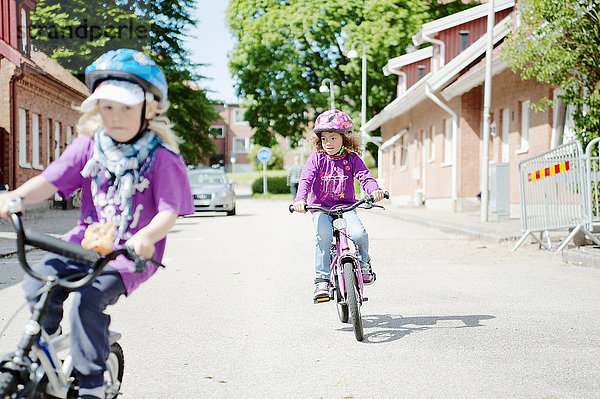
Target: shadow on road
x=387 y=328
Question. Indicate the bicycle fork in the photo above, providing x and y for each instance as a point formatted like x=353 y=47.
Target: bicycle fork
x=346 y=252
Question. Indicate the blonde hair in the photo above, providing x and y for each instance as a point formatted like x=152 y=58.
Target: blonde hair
x=160 y=124
x=352 y=142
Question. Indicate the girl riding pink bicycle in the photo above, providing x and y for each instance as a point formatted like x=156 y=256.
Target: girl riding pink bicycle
x=328 y=176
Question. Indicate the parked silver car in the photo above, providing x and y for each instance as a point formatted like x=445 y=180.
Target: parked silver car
x=212 y=190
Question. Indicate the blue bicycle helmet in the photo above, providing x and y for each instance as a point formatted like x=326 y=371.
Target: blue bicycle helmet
x=131 y=65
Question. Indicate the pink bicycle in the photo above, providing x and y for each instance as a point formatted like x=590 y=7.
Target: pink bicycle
x=345 y=278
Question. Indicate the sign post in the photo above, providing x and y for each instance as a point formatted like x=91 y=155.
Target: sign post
x=263 y=155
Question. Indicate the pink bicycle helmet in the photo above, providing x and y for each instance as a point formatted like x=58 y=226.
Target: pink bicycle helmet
x=333 y=121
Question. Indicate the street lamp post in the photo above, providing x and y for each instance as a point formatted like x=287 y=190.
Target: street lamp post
x=325 y=89
x=354 y=54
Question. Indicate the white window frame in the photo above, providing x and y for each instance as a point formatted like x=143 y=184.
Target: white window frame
x=238 y=116
x=49 y=139
x=24 y=38
x=222 y=135
x=447 y=142
x=525 y=124
x=69 y=134
x=35 y=141
x=245 y=147
x=56 y=138
x=431 y=144
x=403 y=152
x=23 y=139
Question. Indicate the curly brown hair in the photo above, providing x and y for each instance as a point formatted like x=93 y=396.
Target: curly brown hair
x=352 y=142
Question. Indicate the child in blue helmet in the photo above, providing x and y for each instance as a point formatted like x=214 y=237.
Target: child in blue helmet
x=125 y=160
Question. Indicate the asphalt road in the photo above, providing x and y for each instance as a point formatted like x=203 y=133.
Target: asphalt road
x=232 y=317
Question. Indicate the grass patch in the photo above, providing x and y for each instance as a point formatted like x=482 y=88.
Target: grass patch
x=270 y=196
x=251 y=176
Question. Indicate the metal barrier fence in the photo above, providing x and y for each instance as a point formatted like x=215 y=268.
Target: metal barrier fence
x=592 y=158
x=555 y=194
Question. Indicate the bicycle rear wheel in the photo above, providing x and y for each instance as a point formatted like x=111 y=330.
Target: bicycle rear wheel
x=352 y=299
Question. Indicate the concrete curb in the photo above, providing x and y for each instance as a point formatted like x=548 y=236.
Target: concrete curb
x=588 y=255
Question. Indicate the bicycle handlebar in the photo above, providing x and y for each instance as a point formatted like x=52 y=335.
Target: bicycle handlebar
x=70 y=250
x=341 y=209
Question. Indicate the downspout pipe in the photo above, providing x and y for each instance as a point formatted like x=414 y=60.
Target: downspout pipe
x=402 y=86
x=13 y=122
x=442 y=47
x=454 y=116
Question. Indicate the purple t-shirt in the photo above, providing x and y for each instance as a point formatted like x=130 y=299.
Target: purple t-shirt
x=165 y=187
x=330 y=179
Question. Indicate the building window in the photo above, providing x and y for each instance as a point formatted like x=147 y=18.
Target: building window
x=394 y=158
x=24 y=32
x=421 y=69
x=56 y=140
x=23 y=139
x=216 y=131
x=464 y=39
x=49 y=139
x=35 y=141
x=431 y=144
x=525 y=107
x=448 y=133
x=238 y=116
x=403 y=151
x=241 y=145
x=69 y=134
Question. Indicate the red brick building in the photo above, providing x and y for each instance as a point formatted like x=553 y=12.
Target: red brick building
x=232 y=136
x=432 y=133
x=37 y=120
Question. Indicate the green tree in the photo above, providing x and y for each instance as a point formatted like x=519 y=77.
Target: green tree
x=284 y=49
x=74 y=33
x=558 y=42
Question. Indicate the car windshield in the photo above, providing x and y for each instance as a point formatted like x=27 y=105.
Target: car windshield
x=204 y=179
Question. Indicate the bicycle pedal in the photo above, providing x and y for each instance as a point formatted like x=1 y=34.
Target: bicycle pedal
x=319 y=300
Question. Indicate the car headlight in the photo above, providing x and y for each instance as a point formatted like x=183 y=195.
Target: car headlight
x=220 y=195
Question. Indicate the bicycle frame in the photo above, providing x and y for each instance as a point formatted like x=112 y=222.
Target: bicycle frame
x=345 y=251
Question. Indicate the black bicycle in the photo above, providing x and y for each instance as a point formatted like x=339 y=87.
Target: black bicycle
x=41 y=367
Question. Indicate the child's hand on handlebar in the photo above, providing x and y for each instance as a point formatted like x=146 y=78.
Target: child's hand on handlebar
x=141 y=245
x=378 y=195
x=5 y=199
x=299 y=206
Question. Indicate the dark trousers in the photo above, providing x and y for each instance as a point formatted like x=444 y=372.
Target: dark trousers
x=89 y=324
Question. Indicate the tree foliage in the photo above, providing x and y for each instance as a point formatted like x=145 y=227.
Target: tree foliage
x=75 y=32
x=285 y=48
x=558 y=42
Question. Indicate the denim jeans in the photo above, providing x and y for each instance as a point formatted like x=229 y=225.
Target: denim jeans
x=322 y=223
x=89 y=324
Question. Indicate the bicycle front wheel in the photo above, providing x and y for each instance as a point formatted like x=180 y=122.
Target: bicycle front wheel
x=342 y=307
x=8 y=385
x=113 y=376
x=353 y=302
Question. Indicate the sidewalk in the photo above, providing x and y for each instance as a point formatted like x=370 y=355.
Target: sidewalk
x=470 y=224
x=47 y=220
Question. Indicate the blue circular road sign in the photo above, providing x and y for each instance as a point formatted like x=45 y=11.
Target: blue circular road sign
x=264 y=154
